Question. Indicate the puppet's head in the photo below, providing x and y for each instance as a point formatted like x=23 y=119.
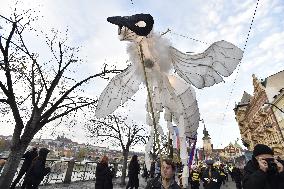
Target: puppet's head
x=132 y=27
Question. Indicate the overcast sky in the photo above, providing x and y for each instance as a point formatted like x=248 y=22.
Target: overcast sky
x=207 y=21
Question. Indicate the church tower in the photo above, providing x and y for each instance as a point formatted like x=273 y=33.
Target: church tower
x=207 y=146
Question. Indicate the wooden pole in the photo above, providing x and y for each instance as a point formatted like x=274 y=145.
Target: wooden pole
x=150 y=103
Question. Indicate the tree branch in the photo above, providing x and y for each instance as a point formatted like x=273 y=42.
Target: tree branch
x=33 y=84
x=41 y=75
x=56 y=104
x=4 y=101
x=10 y=37
x=2 y=86
x=67 y=112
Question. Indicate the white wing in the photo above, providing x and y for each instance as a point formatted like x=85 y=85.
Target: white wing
x=207 y=68
x=186 y=101
x=122 y=87
x=181 y=102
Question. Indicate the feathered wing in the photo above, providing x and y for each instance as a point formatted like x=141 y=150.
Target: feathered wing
x=122 y=87
x=207 y=68
x=185 y=104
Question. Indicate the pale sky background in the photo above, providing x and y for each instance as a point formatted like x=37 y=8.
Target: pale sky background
x=208 y=21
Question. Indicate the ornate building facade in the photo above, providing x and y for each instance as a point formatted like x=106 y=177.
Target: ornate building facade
x=256 y=120
x=229 y=153
x=232 y=151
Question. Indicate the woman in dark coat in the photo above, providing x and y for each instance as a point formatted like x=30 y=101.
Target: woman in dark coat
x=133 y=172
x=37 y=171
x=103 y=175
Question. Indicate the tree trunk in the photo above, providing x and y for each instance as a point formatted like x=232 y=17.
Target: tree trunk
x=11 y=166
x=124 y=166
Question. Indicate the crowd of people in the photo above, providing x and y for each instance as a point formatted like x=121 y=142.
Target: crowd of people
x=263 y=171
x=213 y=176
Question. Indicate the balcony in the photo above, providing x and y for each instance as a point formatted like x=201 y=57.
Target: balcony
x=253 y=126
x=260 y=135
x=279 y=146
x=262 y=113
x=256 y=122
x=268 y=128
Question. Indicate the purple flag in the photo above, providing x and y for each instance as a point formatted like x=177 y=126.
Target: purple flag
x=191 y=154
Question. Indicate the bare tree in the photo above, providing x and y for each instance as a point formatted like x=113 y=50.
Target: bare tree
x=117 y=132
x=37 y=89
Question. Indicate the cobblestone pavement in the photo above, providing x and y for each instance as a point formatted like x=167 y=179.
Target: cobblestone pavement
x=91 y=185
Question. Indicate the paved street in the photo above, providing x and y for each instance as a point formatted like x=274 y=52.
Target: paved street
x=91 y=185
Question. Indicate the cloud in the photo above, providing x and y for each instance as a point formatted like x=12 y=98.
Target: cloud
x=273 y=41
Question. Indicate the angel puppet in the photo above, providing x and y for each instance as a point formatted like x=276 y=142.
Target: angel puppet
x=168 y=74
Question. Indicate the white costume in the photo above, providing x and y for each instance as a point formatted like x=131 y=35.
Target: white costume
x=170 y=74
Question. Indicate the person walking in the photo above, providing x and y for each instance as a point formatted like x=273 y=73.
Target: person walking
x=237 y=174
x=145 y=172
x=152 y=169
x=37 y=170
x=222 y=174
x=263 y=171
x=211 y=177
x=133 y=172
x=104 y=175
x=28 y=158
x=194 y=178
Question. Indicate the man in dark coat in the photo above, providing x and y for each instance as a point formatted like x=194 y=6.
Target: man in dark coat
x=37 y=171
x=152 y=169
x=237 y=174
x=29 y=156
x=133 y=172
x=145 y=172
x=263 y=171
x=211 y=177
x=103 y=175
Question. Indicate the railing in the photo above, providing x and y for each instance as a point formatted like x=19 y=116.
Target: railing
x=71 y=171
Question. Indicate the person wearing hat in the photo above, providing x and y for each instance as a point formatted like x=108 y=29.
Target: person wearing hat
x=263 y=171
x=37 y=171
x=211 y=177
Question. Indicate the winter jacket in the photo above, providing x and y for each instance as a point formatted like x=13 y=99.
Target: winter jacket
x=103 y=177
x=213 y=181
x=254 y=178
x=145 y=172
x=37 y=170
x=156 y=183
x=152 y=169
x=29 y=156
x=133 y=172
x=237 y=175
